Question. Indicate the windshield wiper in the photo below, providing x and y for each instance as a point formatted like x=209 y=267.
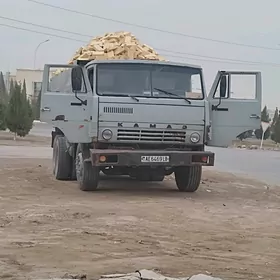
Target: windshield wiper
x=124 y=95
x=173 y=94
x=133 y=97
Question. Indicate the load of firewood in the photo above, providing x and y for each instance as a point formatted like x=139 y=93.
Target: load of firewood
x=118 y=45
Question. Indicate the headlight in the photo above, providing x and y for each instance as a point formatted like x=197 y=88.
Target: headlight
x=195 y=137
x=107 y=134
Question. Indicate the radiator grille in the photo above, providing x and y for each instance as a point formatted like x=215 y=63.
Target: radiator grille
x=118 y=110
x=151 y=135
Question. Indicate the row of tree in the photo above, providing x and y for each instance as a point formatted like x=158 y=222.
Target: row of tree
x=16 y=112
x=273 y=130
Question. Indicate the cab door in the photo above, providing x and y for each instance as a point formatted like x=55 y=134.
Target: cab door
x=64 y=107
x=234 y=105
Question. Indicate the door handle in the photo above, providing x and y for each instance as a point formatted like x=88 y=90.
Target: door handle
x=222 y=109
x=76 y=104
x=46 y=109
x=255 y=116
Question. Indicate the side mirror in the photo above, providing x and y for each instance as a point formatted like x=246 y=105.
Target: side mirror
x=223 y=86
x=76 y=79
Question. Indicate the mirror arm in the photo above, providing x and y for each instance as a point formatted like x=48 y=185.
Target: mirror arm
x=215 y=107
x=83 y=102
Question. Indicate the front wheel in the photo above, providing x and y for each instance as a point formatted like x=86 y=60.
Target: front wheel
x=61 y=159
x=87 y=175
x=188 y=178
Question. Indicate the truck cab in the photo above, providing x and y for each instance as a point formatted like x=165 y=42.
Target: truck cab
x=145 y=119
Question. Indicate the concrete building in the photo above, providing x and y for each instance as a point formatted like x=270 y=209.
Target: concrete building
x=33 y=80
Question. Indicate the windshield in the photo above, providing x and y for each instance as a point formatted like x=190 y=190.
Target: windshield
x=149 y=80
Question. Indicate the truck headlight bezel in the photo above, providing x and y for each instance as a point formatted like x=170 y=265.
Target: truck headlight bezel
x=107 y=134
x=195 y=137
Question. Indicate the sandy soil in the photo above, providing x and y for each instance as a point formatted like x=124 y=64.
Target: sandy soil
x=229 y=228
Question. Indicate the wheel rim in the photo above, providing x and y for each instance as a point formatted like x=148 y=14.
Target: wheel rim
x=79 y=167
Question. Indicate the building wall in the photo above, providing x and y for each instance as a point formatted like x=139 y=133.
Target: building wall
x=33 y=80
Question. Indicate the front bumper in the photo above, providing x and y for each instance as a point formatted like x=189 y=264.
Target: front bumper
x=150 y=158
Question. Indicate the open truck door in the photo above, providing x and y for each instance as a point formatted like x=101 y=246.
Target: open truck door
x=234 y=105
x=64 y=99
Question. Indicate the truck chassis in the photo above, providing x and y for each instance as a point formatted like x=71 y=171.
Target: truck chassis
x=83 y=162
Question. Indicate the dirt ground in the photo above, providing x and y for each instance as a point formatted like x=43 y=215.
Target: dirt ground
x=7 y=139
x=230 y=228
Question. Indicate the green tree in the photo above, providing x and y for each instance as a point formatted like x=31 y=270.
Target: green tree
x=19 y=113
x=11 y=87
x=29 y=112
x=276 y=135
x=3 y=90
x=274 y=121
x=275 y=117
x=24 y=89
x=3 y=108
x=264 y=118
x=265 y=115
x=30 y=115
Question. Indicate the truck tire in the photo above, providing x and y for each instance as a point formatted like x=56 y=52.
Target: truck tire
x=62 y=161
x=188 y=178
x=87 y=175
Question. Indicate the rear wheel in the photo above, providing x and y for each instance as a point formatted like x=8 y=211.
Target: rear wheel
x=87 y=175
x=188 y=178
x=62 y=161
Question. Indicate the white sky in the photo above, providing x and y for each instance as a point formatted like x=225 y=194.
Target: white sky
x=249 y=22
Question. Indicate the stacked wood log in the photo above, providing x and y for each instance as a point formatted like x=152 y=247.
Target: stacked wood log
x=118 y=45
x=112 y=46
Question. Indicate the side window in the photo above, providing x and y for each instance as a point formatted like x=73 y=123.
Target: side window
x=239 y=86
x=91 y=77
x=243 y=86
x=195 y=91
x=218 y=89
x=60 y=81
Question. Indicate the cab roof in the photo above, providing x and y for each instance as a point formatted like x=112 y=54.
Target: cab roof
x=135 y=61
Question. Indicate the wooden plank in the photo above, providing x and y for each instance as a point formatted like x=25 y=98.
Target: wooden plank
x=118 y=45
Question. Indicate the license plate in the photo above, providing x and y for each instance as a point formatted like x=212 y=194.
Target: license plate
x=154 y=158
